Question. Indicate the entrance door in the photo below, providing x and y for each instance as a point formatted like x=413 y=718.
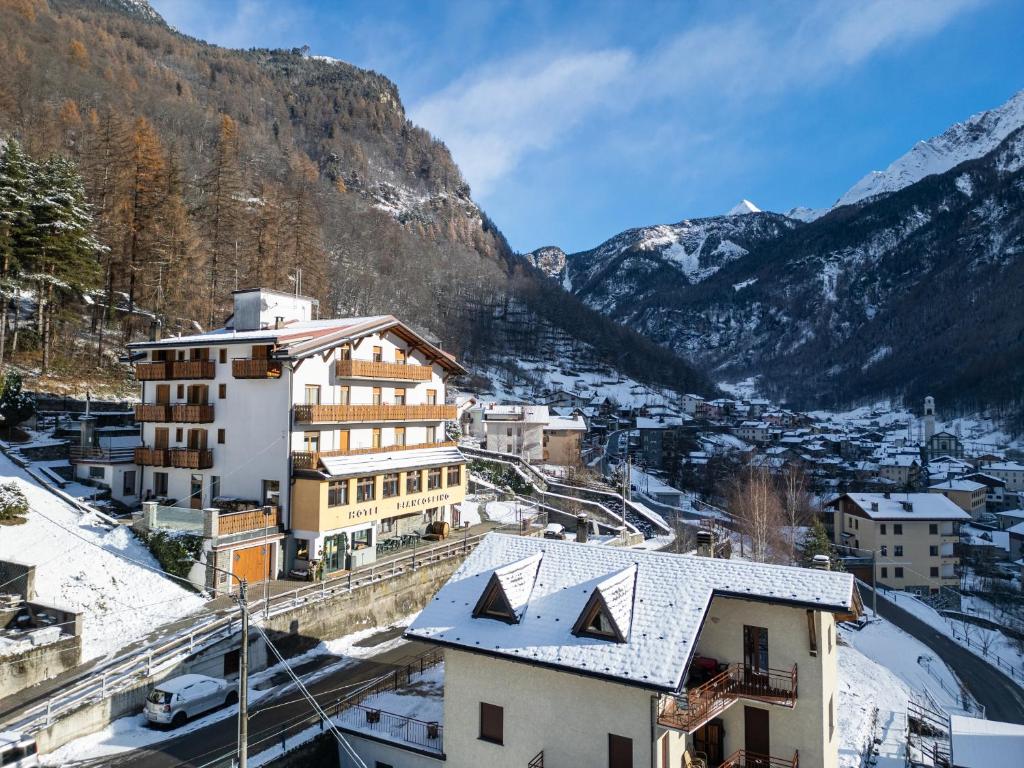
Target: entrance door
x=755 y=655
x=710 y=739
x=251 y=563
x=161 y=438
x=197 y=439
x=755 y=736
x=195 y=496
x=163 y=394
x=335 y=549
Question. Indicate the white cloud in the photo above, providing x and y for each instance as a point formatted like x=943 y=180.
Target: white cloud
x=492 y=118
x=241 y=24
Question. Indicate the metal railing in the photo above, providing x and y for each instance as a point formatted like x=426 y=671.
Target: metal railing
x=349 y=369
x=310 y=459
x=393 y=727
x=700 y=704
x=98 y=453
x=255 y=368
x=743 y=759
x=341 y=413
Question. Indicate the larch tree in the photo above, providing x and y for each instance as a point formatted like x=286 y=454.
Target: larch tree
x=755 y=505
x=223 y=215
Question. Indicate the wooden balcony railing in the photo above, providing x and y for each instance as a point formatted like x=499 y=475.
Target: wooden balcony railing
x=186 y=412
x=365 y=369
x=744 y=759
x=344 y=413
x=191 y=458
x=175 y=369
x=229 y=523
x=708 y=700
x=152 y=457
x=311 y=459
x=255 y=368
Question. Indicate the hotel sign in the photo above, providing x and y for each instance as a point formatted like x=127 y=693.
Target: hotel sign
x=399 y=505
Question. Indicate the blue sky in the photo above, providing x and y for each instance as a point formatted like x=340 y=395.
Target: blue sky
x=575 y=120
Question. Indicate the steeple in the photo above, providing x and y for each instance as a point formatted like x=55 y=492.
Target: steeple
x=929 y=418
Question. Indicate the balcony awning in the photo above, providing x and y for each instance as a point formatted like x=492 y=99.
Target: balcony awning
x=390 y=461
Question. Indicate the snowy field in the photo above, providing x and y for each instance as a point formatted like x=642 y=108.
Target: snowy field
x=864 y=687
x=84 y=567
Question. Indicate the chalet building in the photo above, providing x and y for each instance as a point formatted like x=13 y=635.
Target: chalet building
x=338 y=425
x=914 y=536
x=966 y=494
x=568 y=655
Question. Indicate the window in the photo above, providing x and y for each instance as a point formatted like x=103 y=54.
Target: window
x=492 y=723
x=933 y=529
x=881 y=529
x=311 y=442
x=96 y=473
x=620 y=751
x=362 y=539
x=223 y=355
x=400 y=356
x=431 y=435
x=433 y=478
x=160 y=483
x=376 y=396
x=271 y=493
x=345 y=352
x=897 y=529
x=897 y=551
x=454 y=475
x=399 y=435
x=181 y=391
x=812 y=634
x=387 y=525
x=389 y=485
x=933 y=572
x=933 y=550
x=376 y=437
x=431 y=397
x=365 y=490
x=378 y=355
x=883 y=550
x=128 y=487
x=413 y=481
x=337 y=493
x=220 y=436
x=222 y=391
x=312 y=394
x=178 y=434
x=399 y=396
x=831 y=717
x=214 y=487
x=830 y=638
x=885 y=572
x=343 y=396
x=898 y=572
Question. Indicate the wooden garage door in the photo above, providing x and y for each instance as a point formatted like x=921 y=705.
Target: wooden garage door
x=251 y=563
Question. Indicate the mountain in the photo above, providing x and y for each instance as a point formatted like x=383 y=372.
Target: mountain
x=210 y=169
x=549 y=259
x=742 y=208
x=904 y=293
x=974 y=137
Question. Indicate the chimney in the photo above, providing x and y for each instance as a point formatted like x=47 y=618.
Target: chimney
x=907 y=505
x=705 y=543
x=154 y=330
x=582 y=527
x=87 y=434
x=821 y=563
x=886 y=494
x=278 y=323
x=874 y=506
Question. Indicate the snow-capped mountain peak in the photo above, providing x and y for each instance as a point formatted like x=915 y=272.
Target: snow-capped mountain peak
x=974 y=137
x=742 y=208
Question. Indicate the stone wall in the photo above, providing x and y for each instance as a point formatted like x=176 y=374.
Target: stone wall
x=18 y=579
x=39 y=663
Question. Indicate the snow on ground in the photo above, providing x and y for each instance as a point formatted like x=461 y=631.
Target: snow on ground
x=508 y=512
x=133 y=731
x=84 y=567
x=864 y=686
x=422 y=700
x=912 y=661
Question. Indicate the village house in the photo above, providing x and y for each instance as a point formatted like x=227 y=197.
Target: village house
x=692 y=403
x=337 y=425
x=913 y=536
x=996 y=497
x=1010 y=472
x=563 y=440
x=557 y=653
x=966 y=494
x=902 y=469
x=515 y=429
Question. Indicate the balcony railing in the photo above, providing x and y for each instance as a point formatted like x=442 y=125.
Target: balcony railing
x=191 y=458
x=229 y=523
x=311 y=459
x=708 y=700
x=365 y=369
x=152 y=457
x=187 y=412
x=372 y=413
x=175 y=369
x=255 y=368
x=100 y=453
x=744 y=759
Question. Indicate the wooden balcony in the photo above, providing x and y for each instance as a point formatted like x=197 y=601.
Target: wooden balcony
x=229 y=523
x=188 y=413
x=191 y=458
x=365 y=369
x=312 y=414
x=175 y=369
x=708 y=700
x=255 y=368
x=311 y=459
x=152 y=457
x=743 y=759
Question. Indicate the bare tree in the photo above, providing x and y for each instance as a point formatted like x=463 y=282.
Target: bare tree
x=796 y=503
x=755 y=504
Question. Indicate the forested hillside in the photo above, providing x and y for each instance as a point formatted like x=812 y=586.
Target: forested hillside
x=206 y=169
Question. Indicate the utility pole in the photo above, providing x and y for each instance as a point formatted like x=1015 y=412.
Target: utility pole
x=243 y=678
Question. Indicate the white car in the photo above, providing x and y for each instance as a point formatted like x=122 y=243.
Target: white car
x=17 y=750
x=176 y=700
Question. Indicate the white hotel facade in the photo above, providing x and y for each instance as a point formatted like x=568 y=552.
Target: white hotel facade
x=339 y=425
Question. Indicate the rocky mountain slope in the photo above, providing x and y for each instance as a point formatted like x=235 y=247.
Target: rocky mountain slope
x=912 y=290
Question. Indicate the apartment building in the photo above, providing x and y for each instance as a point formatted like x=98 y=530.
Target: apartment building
x=914 y=536
x=558 y=653
x=339 y=425
x=969 y=495
x=563 y=440
x=902 y=469
x=1010 y=472
x=516 y=429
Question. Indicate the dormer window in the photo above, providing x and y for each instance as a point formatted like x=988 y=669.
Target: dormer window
x=493 y=604
x=595 y=622
x=508 y=590
x=608 y=612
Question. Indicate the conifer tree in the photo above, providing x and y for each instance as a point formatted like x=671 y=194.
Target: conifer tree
x=16 y=171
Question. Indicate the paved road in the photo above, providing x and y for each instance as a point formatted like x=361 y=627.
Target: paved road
x=1003 y=699
x=202 y=747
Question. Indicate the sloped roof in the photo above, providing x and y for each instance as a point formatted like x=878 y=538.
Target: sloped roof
x=672 y=595
x=390 y=461
x=923 y=506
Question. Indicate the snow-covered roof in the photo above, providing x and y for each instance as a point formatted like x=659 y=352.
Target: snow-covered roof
x=390 y=461
x=670 y=598
x=899 y=460
x=968 y=486
x=646 y=422
x=1005 y=466
x=978 y=743
x=577 y=424
x=907 y=506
